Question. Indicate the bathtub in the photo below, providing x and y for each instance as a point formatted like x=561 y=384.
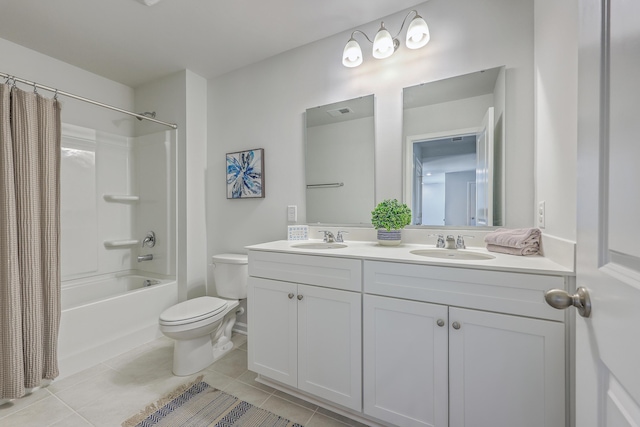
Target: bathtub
x=103 y=317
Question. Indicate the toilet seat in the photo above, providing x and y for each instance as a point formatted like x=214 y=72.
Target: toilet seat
x=193 y=310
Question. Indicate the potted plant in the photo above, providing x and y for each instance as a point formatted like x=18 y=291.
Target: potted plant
x=389 y=218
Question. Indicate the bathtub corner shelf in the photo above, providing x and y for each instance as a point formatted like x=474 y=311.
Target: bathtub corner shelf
x=120 y=243
x=121 y=198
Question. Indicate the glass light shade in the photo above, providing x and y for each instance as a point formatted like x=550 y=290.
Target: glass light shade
x=352 y=55
x=417 y=33
x=383 y=44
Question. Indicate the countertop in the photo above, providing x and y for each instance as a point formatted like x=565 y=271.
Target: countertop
x=373 y=251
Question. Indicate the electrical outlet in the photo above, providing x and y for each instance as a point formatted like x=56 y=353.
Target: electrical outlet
x=541 y=214
x=292 y=213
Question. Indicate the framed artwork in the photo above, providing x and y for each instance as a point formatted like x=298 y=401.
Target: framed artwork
x=245 y=174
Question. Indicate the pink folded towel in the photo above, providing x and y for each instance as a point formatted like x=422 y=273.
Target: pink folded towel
x=516 y=238
x=527 y=250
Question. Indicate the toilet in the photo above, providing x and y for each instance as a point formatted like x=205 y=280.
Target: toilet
x=201 y=327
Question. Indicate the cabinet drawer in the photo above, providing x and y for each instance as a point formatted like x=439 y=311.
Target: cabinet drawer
x=330 y=272
x=505 y=292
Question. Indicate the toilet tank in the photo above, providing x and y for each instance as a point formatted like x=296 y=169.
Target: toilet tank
x=230 y=273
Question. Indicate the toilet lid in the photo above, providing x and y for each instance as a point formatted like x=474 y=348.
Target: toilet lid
x=193 y=310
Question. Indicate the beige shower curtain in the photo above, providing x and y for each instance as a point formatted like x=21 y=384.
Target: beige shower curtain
x=29 y=240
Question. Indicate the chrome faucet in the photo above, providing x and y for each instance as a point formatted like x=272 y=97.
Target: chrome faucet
x=450 y=243
x=328 y=236
x=340 y=236
x=460 y=241
x=149 y=240
x=440 y=242
x=147 y=257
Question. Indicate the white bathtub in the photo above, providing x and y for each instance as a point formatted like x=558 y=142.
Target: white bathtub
x=104 y=317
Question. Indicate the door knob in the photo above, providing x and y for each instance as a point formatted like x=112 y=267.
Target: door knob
x=557 y=298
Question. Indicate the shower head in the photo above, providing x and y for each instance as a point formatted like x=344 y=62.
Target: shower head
x=151 y=114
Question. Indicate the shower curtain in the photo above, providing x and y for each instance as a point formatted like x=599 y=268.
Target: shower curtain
x=29 y=240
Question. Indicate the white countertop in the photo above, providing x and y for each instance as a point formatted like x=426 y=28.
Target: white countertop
x=402 y=253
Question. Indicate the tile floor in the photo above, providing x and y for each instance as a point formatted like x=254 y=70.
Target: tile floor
x=109 y=393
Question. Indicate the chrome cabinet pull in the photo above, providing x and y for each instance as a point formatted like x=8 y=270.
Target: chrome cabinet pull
x=455 y=325
x=557 y=298
x=300 y=297
x=290 y=295
x=440 y=322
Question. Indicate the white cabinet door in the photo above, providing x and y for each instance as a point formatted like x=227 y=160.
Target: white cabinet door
x=505 y=370
x=405 y=361
x=329 y=345
x=272 y=326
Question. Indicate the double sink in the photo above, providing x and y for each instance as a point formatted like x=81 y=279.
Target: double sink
x=458 y=254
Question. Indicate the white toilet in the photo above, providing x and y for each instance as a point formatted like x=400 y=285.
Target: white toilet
x=201 y=327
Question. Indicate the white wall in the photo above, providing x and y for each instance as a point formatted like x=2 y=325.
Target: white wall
x=262 y=105
x=181 y=98
x=31 y=65
x=556 y=77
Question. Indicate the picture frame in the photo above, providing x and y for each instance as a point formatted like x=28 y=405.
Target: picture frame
x=245 y=174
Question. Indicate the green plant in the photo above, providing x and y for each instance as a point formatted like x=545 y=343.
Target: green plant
x=391 y=215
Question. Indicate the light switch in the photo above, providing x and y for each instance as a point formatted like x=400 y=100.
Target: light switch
x=541 y=214
x=292 y=213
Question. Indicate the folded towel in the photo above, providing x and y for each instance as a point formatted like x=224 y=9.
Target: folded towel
x=515 y=238
x=527 y=250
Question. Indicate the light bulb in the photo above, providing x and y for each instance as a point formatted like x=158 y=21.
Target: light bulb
x=352 y=55
x=417 y=33
x=383 y=46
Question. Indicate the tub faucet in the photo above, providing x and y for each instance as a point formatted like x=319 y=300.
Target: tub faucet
x=149 y=240
x=147 y=257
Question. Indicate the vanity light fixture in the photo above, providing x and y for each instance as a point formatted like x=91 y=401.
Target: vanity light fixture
x=384 y=44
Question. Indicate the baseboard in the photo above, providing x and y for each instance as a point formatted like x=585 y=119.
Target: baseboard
x=240 y=328
x=359 y=417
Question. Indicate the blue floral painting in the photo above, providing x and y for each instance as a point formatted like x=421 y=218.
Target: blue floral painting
x=245 y=178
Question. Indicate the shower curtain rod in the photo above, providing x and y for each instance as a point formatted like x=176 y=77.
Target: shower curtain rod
x=80 y=98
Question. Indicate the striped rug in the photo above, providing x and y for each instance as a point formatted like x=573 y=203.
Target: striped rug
x=199 y=404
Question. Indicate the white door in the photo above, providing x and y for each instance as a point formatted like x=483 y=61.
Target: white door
x=417 y=191
x=329 y=344
x=505 y=371
x=484 y=171
x=405 y=351
x=608 y=257
x=272 y=324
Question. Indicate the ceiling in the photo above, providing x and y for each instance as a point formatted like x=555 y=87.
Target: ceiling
x=128 y=42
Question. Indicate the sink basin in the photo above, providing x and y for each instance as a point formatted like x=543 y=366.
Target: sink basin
x=453 y=254
x=319 y=245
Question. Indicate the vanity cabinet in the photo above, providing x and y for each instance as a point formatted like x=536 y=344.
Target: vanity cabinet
x=455 y=363
x=392 y=343
x=305 y=324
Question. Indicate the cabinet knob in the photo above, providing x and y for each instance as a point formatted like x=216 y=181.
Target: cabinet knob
x=300 y=297
x=440 y=322
x=455 y=325
x=290 y=295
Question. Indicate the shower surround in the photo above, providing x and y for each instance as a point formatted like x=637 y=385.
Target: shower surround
x=114 y=190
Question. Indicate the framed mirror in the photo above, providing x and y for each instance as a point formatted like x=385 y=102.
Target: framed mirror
x=339 y=162
x=453 y=135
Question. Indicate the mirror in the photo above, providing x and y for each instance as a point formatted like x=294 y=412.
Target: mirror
x=453 y=133
x=339 y=166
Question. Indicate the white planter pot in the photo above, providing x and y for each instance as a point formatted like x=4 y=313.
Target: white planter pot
x=389 y=237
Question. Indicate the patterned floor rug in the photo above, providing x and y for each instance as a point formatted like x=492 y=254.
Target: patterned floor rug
x=197 y=404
